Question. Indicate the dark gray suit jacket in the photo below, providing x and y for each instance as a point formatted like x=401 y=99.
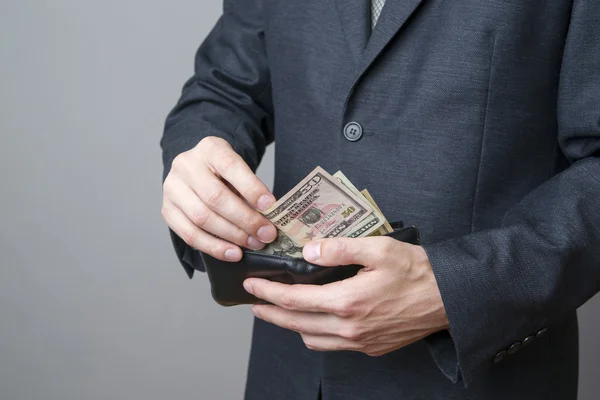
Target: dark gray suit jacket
x=481 y=125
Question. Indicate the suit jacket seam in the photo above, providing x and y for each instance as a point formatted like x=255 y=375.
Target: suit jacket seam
x=484 y=130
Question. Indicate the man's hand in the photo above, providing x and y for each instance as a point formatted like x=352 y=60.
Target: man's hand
x=210 y=191
x=392 y=302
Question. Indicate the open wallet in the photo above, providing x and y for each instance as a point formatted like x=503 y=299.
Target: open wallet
x=226 y=278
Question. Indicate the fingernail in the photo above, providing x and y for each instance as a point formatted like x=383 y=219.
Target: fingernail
x=248 y=287
x=232 y=254
x=312 y=251
x=265 y=201
x=267 y=233
x=255 y=244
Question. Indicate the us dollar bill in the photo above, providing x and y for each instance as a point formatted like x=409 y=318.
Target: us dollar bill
x=282 y=246
x=320 y=206
x=386 y=228
x=369 y=225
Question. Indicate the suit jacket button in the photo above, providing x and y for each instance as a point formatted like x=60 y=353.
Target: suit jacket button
x=353 y=131
x=541 y=332
x=499 y=357
x=527 y=341
x=514 y=348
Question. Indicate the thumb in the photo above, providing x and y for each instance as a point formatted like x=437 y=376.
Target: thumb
x=345 y=251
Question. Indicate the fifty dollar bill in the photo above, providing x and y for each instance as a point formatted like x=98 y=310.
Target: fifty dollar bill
x=320 y=206
x=386 y=228
x=369 y=225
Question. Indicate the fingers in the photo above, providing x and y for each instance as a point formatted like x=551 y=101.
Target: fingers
x=202 y=170
x=204 y=218
x=197 y=238
x=330 y=343
x=290 y=297
x=339 y=298
x=345 y=251
x=222 y=201
x=381 y=345
x=303 y=322
x=226 y=163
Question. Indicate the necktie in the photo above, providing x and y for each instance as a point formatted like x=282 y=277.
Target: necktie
x=376 y=7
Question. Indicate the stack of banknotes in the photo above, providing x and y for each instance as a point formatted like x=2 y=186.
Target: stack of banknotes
x=323 y=206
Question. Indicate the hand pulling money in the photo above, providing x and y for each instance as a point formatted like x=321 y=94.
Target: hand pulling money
x=323 y=206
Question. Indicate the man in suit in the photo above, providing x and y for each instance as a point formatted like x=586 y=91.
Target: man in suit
x=479 y=122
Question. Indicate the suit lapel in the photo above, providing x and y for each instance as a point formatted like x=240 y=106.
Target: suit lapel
x=393 y=17
x=355 y=16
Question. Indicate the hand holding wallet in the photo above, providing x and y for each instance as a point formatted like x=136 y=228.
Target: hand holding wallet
x=319 y=206
x=226 y=278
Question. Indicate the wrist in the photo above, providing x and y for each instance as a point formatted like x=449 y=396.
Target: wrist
x=430 y=292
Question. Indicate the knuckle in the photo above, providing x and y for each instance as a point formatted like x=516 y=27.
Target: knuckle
x=294 y=325
x=210 y=141
x=165 y=211
x=179 y=161
x=215 y=198
x=200 y=216
x=168 y=184
x=388 y=246
x=254 y=189
x=258 y=291
x=345 y=308
x=190 y=237
x=237 y=235
x=334 y=249
x=229 y=161
x=288 y=302
x=254 y=221
x=214 y=250
x=342 y=311
x=352 y=332
x=338 y=249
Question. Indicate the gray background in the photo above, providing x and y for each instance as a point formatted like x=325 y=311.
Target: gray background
x=93 y=304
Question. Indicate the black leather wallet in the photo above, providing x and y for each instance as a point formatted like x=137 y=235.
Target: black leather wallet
x=226 y=278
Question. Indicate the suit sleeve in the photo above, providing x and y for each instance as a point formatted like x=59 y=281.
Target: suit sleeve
x=229 y=96
x=543 y=262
